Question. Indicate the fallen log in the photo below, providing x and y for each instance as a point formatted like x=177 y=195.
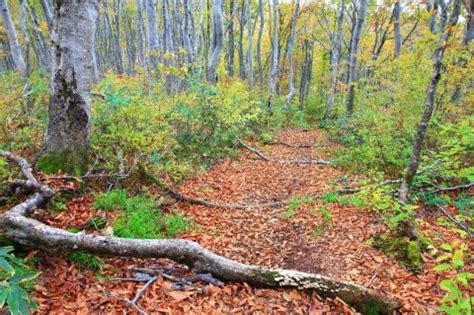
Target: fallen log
x=17 y=226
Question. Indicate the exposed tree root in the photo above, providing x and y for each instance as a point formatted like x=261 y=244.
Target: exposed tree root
x=292 y=161
x=17 y=226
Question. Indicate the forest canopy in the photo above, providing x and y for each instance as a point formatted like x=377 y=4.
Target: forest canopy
x=237 y=155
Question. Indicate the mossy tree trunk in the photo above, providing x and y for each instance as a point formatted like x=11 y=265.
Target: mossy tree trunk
x=68 y=130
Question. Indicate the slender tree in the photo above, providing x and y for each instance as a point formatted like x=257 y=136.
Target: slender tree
x=355 y=46
x=47 y=14
x=429 y=103
x=397 y=35
x=24 y=34
x=250 y=44
x=217 y=40
x=291 y=44
x=259 y=42
x=335 y=54
x=469 y=32
x=274 y=69
x=68 y=130
x=152 y=33
x=230 y=40
x=240 y=49
x=13 y=41
x=141 y=37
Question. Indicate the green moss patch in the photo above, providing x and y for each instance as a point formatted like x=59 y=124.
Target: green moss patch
x=407 y=252
x=70 y=162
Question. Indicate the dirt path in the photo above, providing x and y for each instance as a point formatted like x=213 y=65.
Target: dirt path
x=272 y=237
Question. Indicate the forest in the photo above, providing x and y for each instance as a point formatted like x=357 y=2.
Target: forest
x=236 y=156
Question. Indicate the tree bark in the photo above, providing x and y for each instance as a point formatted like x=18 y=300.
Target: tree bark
x=335 y=60
x=291 y=44
x=41 y=48
x=217 y=40
x=68 y=130
x=24 y=34
x=429 y=104
x=230 y=40
x=17 y=226
x=15 y=47
x=275 y=52
x=47 y=14
x=432 y=8
x=259 y=42
x=250 y=45
x=397 y=35
x=469 y=32
x=355 y=46
x=152 y=33
x=242 y=22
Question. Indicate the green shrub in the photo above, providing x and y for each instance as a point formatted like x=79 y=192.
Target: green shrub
x=142 y=219
x=294 y=203
x=457 y=299
x=112 y=201
x=174 y=223
x=139 y=220
x=15 y=279
x=84 y=259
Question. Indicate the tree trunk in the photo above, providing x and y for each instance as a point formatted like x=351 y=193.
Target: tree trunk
x=275 y=52
x=397 y=35
x=47 y=14
x=355 y=46
x=242 y=21
x=230 y=40
x=117 y=37
x=250 y=45
x=443 y=14
x=152 y=33
x=429 y=104
x=217 y=40
x=291 y=44
x=24 y=34
x=335 y=60
x=41 y=48
x=15 y=48
x=432 y=8
x=259 y=42
x=17 y=226
x=68 y=130
x=469 y=32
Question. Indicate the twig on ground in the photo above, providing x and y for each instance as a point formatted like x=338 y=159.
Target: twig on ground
x=254 y=150
x=459 y=187
x=453 y=219
x=303 y=146
x=293 y=161
x=202 y=277
x=143 y=289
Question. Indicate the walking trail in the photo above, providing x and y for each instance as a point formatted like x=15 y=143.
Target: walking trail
x=272 y=237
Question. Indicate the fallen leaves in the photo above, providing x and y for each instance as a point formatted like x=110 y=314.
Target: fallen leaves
x=257 y=236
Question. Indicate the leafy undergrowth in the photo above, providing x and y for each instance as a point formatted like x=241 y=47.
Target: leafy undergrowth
x=330 y=236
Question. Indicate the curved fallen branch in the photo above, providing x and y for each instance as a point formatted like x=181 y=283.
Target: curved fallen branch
x=292 y=161
x=17 y=226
